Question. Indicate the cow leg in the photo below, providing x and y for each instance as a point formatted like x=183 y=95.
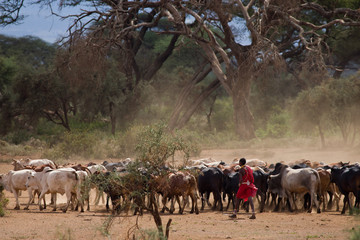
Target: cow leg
x=172 y=204
x=74 y=203
x=217 y=198
x=207 y=195
x=68 y=200
x=164 y=200
x=31 y=198
x=43 y=200
x=16 y=195
x=54 y=199
x=277 y=206
x=337 y=199
x=194 y=205
x=229 y=200
x=185 y=201
x=346 y=200
x=290 y=200
x=330 y=203
x=314 y=199
x=262 y=201
x=202 y=200
x=107 y=202
x=350 y=205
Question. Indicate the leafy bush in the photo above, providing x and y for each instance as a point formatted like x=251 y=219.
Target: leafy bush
x=156 y=145
x=18 y=136
x=74 y=143
x=3 y=202
x=222 y=118
x=277 y=126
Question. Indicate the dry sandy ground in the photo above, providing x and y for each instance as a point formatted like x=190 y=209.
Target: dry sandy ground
x=33 y=224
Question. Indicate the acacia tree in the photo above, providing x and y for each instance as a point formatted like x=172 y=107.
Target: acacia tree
x=291 y=33
x=311 y=110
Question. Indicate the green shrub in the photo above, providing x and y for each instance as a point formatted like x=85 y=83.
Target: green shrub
x=74 y=143
x=18 y=136
x=276 y=127
x=3 y=202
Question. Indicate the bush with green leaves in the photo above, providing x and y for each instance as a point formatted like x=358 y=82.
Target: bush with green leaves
x=75 y=143
x=277 y=125
x=3 y=202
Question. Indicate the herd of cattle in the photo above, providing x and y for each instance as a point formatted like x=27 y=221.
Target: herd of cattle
x=283 y=185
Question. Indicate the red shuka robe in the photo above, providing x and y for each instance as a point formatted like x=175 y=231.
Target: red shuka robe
x=247 y=187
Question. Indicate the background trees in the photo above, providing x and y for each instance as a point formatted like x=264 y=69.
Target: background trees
x=175 y=60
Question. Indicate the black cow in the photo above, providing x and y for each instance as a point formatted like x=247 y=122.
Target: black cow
x=210 y=180
x=231 y=186
x=348 y=180
x=261 y=182
x=274 y=187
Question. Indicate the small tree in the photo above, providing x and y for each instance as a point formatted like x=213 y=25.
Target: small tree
x=345 y=112
x=156 y=145
x=311 y=110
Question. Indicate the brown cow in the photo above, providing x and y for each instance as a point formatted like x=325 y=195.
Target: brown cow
x=325 y=178
x=176 y=185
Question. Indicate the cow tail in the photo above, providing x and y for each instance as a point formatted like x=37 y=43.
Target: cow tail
x=88 y=171
x=76 y=176
x=194 y=183
x=319 y=183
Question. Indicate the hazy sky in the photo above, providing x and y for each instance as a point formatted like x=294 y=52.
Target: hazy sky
x=40 y=23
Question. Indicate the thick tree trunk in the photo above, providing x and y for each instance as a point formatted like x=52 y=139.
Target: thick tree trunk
x=243 y=118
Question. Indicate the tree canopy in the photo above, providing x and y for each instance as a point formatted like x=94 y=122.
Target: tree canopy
x=295 y=37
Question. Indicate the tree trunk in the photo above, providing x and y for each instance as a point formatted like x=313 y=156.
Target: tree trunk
x=322 y=137
x=243 y=118
x=112 y=118
x=155 y=213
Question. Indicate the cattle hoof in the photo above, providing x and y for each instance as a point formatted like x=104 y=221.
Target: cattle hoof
x=252 y=217
x=17 y=207
x=64 y=210
x=26 y=208
x=318 y=211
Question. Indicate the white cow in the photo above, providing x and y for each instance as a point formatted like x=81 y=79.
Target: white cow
x=15 y=181
x=38 y=162
x=298 y=181
x=252 y=162
x=57 y=181
x=85 y=188
x=98 y=194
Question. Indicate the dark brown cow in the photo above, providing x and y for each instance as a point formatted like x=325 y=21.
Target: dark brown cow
x=176 y=185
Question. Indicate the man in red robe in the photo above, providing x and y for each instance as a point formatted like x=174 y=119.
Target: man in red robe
x=247 y=189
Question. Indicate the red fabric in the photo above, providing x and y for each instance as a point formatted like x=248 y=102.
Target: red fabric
x=245 y=191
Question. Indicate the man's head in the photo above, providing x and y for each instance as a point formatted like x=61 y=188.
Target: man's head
x=242 y=161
